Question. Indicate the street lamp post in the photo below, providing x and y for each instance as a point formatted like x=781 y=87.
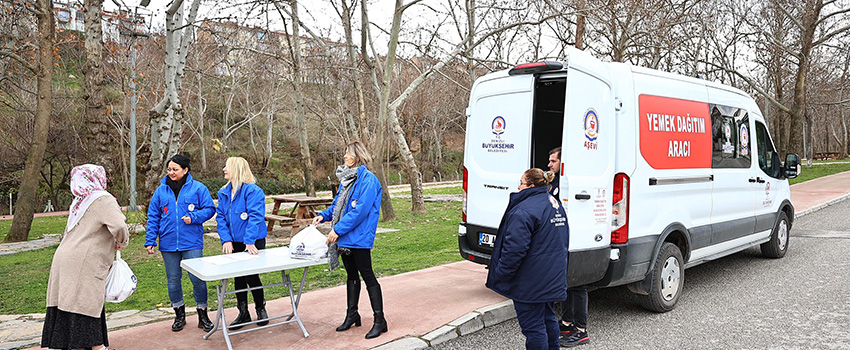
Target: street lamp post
x=134 y=33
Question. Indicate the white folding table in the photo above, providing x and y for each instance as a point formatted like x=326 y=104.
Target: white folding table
x=222 y=267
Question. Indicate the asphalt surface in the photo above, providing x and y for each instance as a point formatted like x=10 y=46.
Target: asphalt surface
x=743 y=301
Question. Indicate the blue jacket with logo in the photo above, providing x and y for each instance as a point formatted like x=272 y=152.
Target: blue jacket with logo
x=165 y=213
x=356 y=228
x=529 y=261
x=243 y=217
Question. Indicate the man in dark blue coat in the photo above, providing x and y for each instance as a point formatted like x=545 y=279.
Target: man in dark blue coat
x=529 y=261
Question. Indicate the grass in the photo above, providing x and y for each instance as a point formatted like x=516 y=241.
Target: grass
x=422 y=241
x=819 y=171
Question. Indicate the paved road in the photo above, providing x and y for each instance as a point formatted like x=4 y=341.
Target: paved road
x=743 y=301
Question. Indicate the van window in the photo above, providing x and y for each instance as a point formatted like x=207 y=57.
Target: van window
x=768 y=158
x=730 y=137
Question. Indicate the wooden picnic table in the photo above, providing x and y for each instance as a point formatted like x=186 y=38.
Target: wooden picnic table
x=301 y=214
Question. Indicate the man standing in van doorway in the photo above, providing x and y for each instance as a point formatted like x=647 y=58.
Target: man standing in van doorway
x=555 y=167
x=574 y=315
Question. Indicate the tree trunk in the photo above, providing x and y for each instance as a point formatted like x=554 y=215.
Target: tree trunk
x=306 y=162
x=580 y=26
x=27 y=191
x=97 y=135
x=377 y=145
x=167 y=116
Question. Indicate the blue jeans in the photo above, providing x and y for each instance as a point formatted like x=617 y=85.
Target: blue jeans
x=538 y=324
x=174 y=274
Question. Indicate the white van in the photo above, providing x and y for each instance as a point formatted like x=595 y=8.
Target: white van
x=664 y=171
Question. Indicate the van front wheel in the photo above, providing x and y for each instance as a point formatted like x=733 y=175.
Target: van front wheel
x=778 y=243
x=667 y=280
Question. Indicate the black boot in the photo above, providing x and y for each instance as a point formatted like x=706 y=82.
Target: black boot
x=377 y=301
x=204 y=320
x=260 y=306
x=352 y=317
x=179 y=319
x=243 y=317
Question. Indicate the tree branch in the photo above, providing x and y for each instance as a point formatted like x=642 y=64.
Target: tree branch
x=752 y=85
x=6 y=53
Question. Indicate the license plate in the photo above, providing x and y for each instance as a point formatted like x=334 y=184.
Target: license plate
x=486 y=239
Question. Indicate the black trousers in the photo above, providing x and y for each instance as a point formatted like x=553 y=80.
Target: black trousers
x=360 y=261
x=250 y=280
x=575 y=307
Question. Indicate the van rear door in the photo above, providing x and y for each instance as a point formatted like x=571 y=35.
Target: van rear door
x=498 y=132
x=589 y=137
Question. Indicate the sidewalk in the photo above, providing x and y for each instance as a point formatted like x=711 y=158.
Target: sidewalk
x=815 y=194
x=430 y=305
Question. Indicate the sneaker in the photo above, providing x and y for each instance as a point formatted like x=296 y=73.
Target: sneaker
x=579 y=338
x=566 y=330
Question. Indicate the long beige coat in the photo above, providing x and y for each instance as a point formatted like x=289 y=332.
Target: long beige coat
x=77 y=281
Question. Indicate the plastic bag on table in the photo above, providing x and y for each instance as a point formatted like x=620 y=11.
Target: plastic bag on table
x=309 y=244
x=120 y=282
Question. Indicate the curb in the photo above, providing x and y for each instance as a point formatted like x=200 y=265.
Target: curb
x=822 y=205
x=472 y=322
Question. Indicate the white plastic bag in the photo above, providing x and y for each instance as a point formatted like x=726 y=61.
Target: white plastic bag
x=309 y=243
x=120 y=282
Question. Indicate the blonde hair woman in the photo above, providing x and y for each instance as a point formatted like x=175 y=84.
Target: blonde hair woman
x=241 y=225
x=354 y=215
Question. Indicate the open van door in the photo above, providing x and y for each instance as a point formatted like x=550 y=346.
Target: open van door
x=589 y=143
x=497 y=153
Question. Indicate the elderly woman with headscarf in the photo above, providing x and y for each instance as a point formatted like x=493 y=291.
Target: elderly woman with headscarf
x=176 y=215
x=96 y=227
x=354 y=216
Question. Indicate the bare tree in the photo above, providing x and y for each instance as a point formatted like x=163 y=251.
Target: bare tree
x=97 y=133
x=43 y=71
x=166 y=118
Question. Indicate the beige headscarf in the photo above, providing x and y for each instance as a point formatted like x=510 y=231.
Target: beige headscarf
x=88 y=182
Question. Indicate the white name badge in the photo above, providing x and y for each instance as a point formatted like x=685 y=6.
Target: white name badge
x=243 y=216
x=191 y=207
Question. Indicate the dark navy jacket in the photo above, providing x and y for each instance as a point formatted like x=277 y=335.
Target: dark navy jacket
x=241 y=218
x=529 y=261
x=165 y=213
x=356 y=228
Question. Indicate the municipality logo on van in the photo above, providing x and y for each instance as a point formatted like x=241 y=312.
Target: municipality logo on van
x=498 y=125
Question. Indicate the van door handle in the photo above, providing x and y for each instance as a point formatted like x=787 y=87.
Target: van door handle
x=752 y=180
x=582 y=196
x=759 y=180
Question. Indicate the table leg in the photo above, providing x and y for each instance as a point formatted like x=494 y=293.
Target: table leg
x=274 y=211
x=220 y=320
x=295 y=300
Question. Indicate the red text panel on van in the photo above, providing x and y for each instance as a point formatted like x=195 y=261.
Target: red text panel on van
x=674 y=133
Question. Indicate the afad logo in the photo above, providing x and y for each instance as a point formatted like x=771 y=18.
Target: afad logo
x=745 y=139
x=591 y=128
x=498 y=125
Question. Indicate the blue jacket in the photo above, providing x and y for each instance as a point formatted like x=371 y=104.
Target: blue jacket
x=243 y=217
x=356 y=228
x=165 y=213
x=529 y=261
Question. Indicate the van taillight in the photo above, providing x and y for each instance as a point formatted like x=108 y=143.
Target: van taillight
x=620 y=210
x=465 y=185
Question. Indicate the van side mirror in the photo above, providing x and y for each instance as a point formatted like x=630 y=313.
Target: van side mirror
x=792 y=165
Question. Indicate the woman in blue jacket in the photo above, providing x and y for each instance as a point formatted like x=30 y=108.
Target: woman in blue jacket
x=354 y=215
x=241 y=225
x=176 y=214
x=529 y=261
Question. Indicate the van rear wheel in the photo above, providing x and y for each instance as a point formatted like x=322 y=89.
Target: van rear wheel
x=667 y=280
x=778 y=243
